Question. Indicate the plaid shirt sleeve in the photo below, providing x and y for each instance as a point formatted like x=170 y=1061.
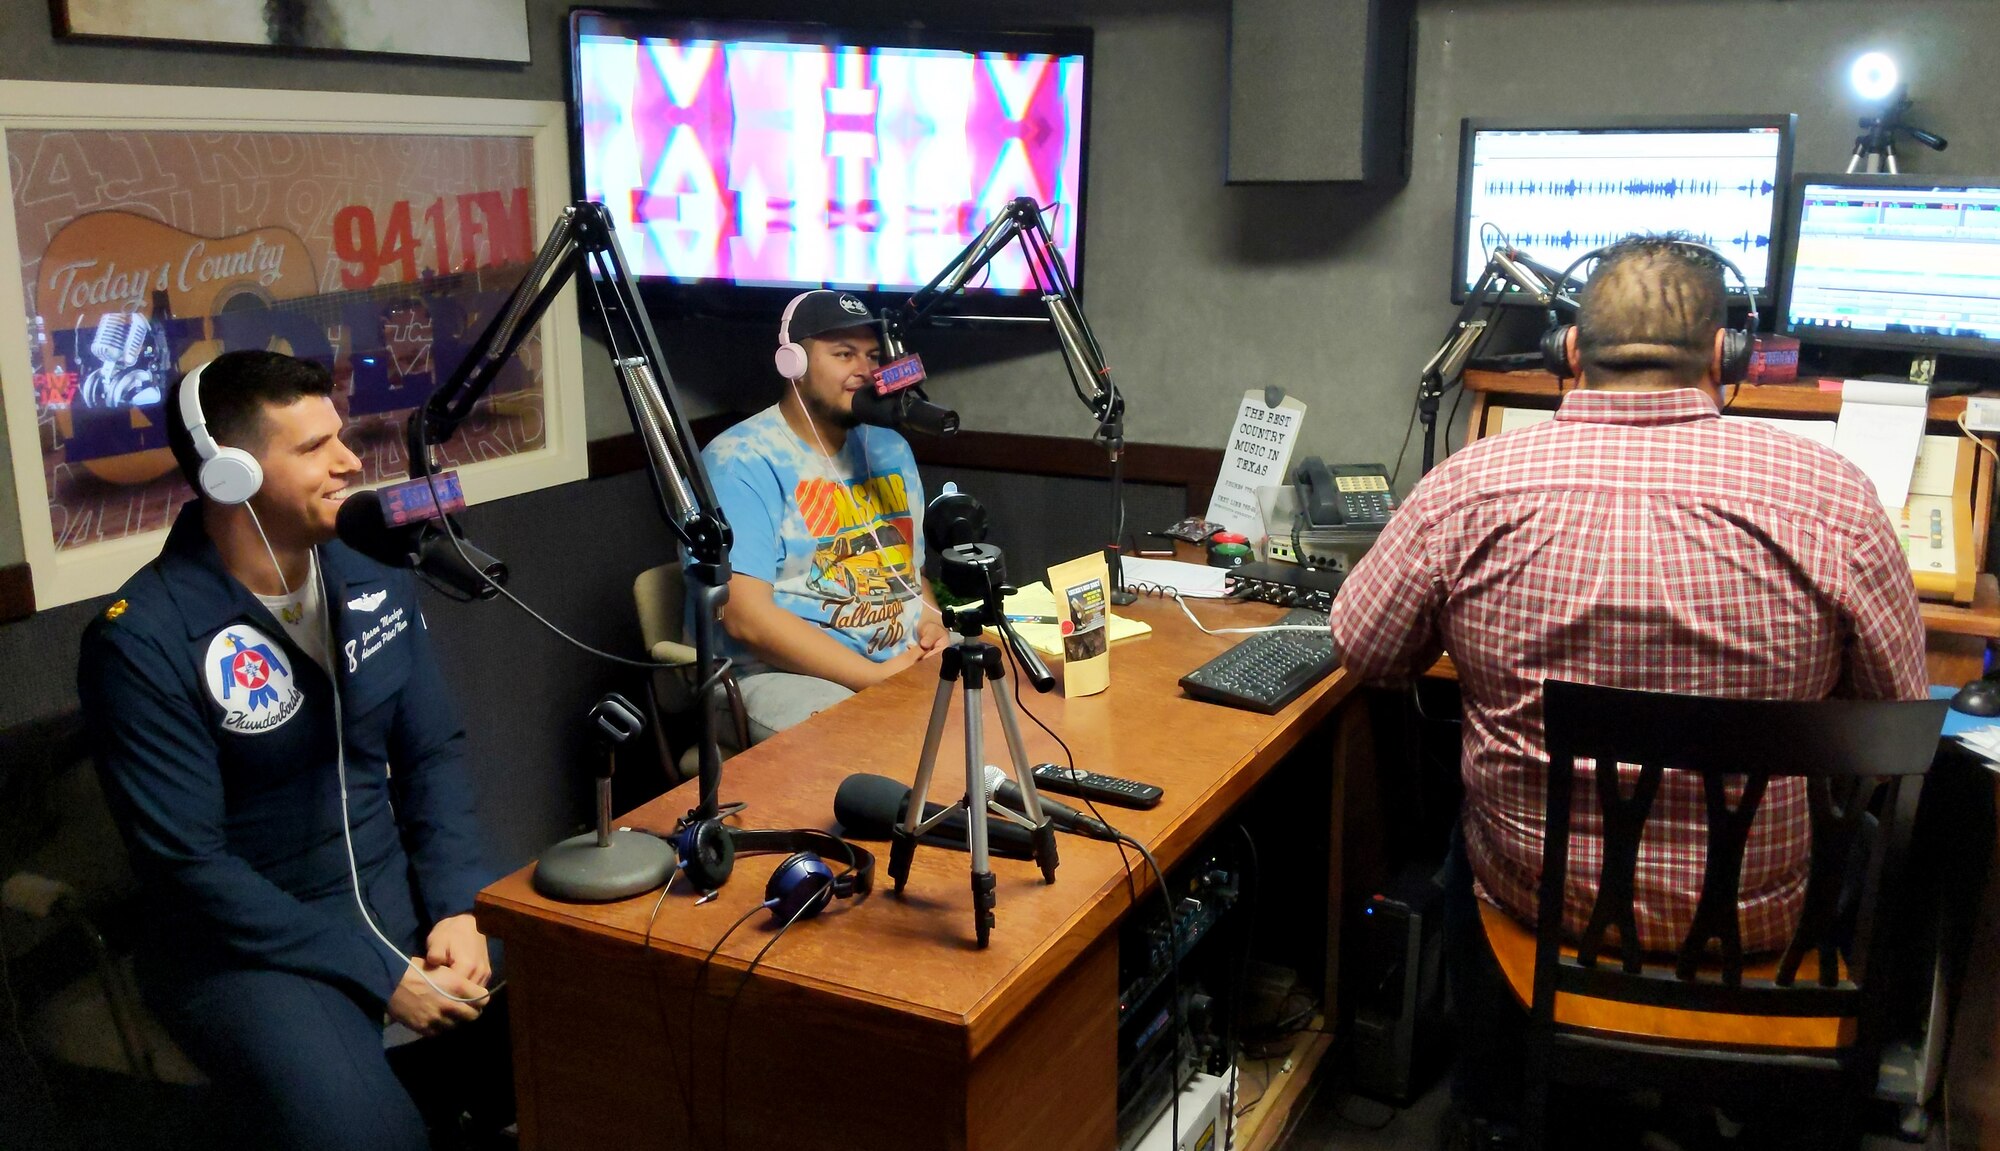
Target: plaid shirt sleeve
x=1885 y=647
x=1385 y=619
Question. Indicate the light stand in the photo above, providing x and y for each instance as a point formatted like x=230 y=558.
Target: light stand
x=979 y=570
x=1875 y=147
x=583 y=247
x=1083 y=359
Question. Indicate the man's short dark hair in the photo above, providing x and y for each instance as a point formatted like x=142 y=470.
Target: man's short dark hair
x=235 y=388
x=1653 y=304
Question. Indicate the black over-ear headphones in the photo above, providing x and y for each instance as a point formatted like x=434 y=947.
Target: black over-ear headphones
x=802 y=885
x=1737 y=343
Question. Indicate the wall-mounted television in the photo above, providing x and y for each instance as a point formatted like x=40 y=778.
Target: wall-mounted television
x=747 y=161
x=1559 y=189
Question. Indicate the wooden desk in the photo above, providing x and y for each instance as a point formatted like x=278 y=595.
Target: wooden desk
x=880 y=1025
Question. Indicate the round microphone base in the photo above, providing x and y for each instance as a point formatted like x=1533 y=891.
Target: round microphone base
x=577 y=870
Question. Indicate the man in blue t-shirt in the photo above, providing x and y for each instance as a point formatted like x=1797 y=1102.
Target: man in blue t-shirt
x=828 y=594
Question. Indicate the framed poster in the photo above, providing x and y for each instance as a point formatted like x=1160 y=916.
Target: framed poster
x=465 y=29
x=154 y=228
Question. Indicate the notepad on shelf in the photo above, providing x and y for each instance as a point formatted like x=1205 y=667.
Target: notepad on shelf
x=1037 y=601
x=1881 y=427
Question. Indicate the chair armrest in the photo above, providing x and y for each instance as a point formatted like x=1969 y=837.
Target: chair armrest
x=673 y=655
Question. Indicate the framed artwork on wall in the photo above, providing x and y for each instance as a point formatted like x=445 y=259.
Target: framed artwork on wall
x=466 y=29
x=374 y=234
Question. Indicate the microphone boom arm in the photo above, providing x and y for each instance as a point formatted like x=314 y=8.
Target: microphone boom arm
x=582 y=246
x=1020 y=221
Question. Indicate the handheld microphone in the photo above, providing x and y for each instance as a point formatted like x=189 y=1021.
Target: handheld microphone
x=868 y=806
x=1065 y=817
x=906 y=409
x=418 y=544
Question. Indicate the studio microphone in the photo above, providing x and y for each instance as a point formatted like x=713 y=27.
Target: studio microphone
x=367 y=523
x=905 y=410
x=1065 y=817
x=868 y=806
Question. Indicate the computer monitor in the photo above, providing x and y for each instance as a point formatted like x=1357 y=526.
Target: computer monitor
x=746 y=155
x=1558 y=190
x=1901 y=263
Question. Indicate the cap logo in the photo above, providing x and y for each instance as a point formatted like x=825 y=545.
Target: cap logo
x=850 y=304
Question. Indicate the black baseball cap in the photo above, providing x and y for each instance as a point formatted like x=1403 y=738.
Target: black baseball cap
x=825 y=310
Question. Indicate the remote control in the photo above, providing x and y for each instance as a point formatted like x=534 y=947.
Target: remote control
x=1097 y=788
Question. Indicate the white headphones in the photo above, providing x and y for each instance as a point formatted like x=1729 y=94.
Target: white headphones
x=791 y=357
x=228 y=475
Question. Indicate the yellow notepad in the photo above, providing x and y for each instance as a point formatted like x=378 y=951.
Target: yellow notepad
x=1037 y=600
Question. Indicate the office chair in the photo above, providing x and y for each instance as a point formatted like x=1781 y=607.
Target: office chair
x=661 y=598
x=1802 y=1033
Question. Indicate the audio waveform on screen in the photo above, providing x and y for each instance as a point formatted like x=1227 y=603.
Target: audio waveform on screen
x=1668 y=188
x=1581 y=242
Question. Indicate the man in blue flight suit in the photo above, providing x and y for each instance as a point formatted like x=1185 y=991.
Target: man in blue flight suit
x=230 y=686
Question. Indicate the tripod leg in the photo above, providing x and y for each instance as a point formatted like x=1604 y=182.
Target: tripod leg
x=903 y=837
x=983 y=897
x=1031 y=800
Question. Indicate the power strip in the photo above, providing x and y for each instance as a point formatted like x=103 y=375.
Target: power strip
x=1982 y=413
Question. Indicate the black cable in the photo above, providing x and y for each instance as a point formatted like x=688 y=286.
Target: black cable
x=458 y=545
x=694 y=994
x=660 y=1007
x=729 y=1012
x=1404 y=451
x=1069 y=758
x=1450 y=420
x=1166 y=897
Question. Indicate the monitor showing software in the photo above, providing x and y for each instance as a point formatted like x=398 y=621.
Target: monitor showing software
x=1909 y=263
x=1557 y=192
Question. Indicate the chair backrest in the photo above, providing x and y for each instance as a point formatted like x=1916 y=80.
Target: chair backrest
x=1847 y=751
x=661 y=597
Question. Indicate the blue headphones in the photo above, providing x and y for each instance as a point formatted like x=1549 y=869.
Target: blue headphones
x=803 y=884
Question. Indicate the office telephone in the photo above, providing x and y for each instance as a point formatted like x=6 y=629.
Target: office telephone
x=1344 y=495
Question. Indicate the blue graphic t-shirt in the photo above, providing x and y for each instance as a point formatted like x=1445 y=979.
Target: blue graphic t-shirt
x=840 y=542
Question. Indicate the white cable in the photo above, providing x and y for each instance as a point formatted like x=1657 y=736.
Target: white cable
x=1317 y=628
x=347 y=828
x=275 y=565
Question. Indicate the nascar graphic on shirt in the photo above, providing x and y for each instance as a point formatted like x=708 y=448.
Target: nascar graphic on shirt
x=248 y=674
x=838 y=535
x=862 y=568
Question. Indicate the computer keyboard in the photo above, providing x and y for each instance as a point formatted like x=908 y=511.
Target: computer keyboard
x=1266 y=672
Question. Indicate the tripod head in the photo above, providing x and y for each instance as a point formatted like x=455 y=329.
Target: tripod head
x=976 y=571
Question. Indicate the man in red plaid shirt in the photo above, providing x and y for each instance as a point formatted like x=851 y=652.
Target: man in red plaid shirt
x=1638 y=541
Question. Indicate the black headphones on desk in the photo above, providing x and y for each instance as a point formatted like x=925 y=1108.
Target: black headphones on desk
x=1733 y=358
x=802 y=885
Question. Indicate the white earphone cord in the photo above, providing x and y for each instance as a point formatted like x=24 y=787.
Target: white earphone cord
x=347 y=827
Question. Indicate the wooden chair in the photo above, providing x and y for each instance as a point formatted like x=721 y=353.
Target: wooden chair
x=661 y=598
x=1706 y=1023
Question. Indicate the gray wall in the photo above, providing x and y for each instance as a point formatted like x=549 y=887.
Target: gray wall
x=1196 y=290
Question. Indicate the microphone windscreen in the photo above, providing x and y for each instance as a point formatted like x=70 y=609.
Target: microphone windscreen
x=880 y=411
x=361 y=525
x=869 y=805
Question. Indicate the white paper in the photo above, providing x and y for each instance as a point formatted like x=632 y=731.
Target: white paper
x=1259 y=454
x=1881 y=426
x=1818 y=431
x=1194 y=581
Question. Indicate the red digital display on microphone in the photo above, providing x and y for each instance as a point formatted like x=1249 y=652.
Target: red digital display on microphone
x=897 y=374
x=411 y=500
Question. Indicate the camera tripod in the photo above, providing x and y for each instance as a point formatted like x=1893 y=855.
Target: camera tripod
x=970 y=664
